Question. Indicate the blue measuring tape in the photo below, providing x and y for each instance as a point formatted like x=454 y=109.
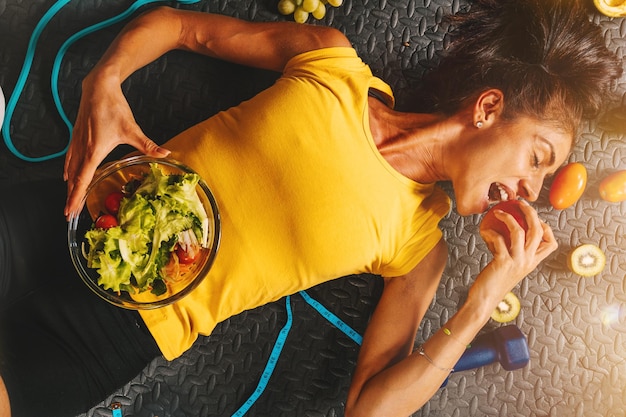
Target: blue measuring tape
x=333 y=319
x=28 y=61
x=281 y=340
x=271 y=363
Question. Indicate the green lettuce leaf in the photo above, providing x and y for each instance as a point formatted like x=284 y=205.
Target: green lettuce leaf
x=150 y=220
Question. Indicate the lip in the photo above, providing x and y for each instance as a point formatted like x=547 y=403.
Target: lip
x=510 y=194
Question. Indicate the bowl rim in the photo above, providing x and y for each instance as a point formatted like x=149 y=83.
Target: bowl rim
x=75 y=250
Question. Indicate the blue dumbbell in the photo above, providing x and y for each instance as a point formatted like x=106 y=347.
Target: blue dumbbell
x=506 y=345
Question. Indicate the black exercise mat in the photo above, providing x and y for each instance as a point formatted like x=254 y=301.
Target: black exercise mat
x=577 y=354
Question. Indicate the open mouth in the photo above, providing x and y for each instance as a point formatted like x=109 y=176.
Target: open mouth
x=497 y=193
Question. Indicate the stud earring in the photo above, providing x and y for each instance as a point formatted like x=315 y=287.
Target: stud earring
x=479 y=124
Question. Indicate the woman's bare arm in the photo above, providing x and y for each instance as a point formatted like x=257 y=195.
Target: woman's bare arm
x=390 y=379
x=104 y=118
x=267 y=45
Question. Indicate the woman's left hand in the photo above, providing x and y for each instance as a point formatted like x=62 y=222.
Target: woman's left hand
x=512 y=263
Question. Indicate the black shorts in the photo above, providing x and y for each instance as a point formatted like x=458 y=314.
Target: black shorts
x=62 y=349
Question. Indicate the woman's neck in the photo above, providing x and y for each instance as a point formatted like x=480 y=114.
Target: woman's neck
x=411 y=143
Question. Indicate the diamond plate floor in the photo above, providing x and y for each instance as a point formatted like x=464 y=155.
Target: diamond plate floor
x=575 y=326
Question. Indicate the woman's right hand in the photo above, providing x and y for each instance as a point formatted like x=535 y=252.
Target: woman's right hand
x=104 y=121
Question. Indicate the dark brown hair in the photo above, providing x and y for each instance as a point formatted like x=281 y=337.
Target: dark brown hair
x=546 y=56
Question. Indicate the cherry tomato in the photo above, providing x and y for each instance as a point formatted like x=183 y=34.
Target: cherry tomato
x=187 y=256
x=112 y=202
x=568 y=185
x=613 y=187
x=490 y=221
x=106 y=221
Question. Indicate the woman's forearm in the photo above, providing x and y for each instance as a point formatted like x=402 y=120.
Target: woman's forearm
x=267 y=45
x=142 y=41
x=406 y=386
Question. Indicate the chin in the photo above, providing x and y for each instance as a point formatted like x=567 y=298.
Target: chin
x=469 y=209
x=463 y=211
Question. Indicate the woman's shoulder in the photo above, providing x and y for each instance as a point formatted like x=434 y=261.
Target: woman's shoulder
x=333 y=58
x=338 y=63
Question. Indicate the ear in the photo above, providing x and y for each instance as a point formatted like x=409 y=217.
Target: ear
x=488 y=107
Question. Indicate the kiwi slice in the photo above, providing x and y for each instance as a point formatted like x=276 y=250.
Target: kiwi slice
x=587 y=260
x=507 y=309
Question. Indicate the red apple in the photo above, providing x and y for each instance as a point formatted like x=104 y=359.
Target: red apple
x=490 y=221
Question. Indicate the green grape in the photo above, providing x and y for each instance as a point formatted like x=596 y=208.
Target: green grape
x=310 y=5
x=320 y=12
x=335 y=3
x=286 y=7
x=300 y=15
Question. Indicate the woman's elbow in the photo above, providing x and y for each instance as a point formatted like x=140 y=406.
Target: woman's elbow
x=354 y=411
x=359 y=406
x=354 y=407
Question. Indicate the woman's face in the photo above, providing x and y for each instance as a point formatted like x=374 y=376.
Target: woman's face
x=505 y=161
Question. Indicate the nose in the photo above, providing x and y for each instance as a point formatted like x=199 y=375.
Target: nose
x=530 y=188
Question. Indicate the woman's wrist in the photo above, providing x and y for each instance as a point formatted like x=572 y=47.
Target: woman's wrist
x=479 y=306
x=103 y=75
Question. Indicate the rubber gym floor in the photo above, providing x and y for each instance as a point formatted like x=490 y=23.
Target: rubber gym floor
x=574 y=326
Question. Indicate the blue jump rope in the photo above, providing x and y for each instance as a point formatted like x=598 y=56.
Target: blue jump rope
x=6 y=133
x=28 y=61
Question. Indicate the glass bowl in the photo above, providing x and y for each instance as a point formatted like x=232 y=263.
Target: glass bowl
x=116 y=177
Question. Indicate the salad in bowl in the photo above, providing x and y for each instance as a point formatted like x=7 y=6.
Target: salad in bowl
x=148 y=232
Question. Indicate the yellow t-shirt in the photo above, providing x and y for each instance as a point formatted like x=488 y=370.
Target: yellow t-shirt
x=303 y=193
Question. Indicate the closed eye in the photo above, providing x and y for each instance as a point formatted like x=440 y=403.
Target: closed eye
x=535 y=162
